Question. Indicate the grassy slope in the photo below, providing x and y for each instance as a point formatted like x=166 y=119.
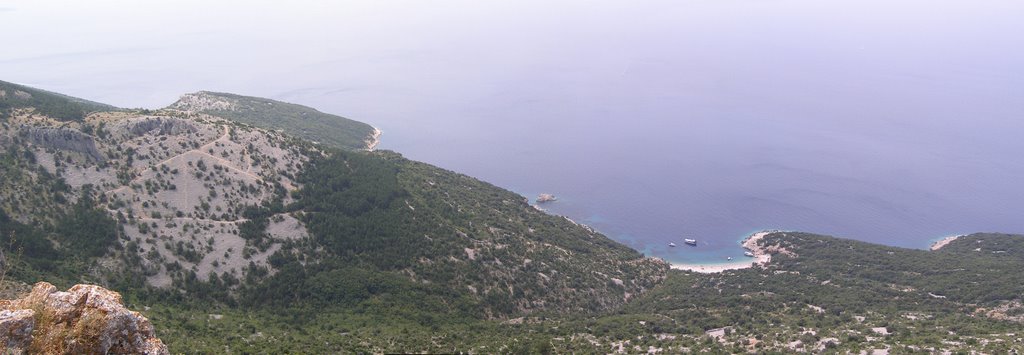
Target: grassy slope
x=296 y=120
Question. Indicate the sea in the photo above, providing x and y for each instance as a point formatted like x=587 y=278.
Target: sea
x=892 y=122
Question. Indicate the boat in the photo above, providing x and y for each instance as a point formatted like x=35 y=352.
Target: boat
x=692 y=242
x=672 y=245
x=546 y=198
x=747 y=253
x=728 y=258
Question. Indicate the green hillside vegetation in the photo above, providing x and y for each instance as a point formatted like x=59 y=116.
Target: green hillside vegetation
x=401 y=256
x=61 y=107
x=833 y=296
x=377 y=212
x=387 y=257
x=60 y=252
x=405 y=244
x=296 y=120
x=63 y=231
x=833 y=292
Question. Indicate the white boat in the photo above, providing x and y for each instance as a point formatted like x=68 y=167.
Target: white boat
x=747 y=253
x=690 y=241
x=672 y=245
x=728 y=258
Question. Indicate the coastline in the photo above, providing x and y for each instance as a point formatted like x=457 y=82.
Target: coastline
x=761 y=257
x=374 y=140
x=943 y=242
x=761 y=254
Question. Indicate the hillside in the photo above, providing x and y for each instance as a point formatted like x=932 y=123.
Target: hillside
x=239 y=237
x=188 y=211
x=821 y=293
x=818 y=295
x=54 y=105
x=295 y=120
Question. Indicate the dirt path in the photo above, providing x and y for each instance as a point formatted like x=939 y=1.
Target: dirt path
x=197 y=220
x=200 y=150
x=189 y=219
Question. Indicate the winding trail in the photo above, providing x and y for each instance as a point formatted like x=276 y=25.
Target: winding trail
x=201 y=150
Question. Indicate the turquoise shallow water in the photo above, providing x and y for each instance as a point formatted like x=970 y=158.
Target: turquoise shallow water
x=890 y=122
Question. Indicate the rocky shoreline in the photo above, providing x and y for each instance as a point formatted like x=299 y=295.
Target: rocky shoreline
x=943 y=242
x=374 y=140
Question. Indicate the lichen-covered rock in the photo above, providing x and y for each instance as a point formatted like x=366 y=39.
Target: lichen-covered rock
x=16 y=328
x=86 y=319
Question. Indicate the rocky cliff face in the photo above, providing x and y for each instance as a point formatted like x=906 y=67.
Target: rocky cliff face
x=86 y=319
x=63 y=138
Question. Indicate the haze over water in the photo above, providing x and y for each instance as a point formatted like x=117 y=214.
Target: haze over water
x=895 y=122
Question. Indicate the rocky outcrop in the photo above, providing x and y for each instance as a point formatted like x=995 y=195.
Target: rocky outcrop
x=86 y=319
x=16 y=328
x=63 y=138
x=159 y=126
x=17 y=94
x=1012 y=311
x=203 y=101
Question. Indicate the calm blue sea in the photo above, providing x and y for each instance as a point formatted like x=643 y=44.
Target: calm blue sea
x=896 y=122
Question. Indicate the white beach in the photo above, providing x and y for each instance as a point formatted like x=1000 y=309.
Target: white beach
x=943 y=242
x=761 y=257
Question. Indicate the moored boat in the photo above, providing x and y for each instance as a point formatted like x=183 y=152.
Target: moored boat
x=692 y=242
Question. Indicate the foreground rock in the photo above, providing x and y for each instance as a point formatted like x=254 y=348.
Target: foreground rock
x=86 y=319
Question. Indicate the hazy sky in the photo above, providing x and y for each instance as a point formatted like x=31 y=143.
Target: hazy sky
x=145 y=53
